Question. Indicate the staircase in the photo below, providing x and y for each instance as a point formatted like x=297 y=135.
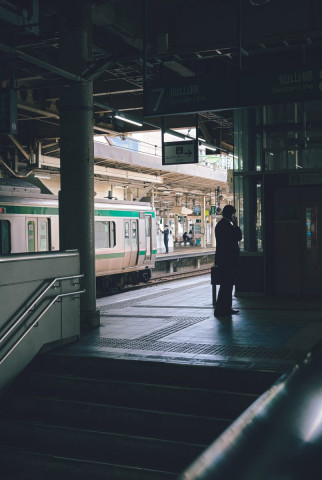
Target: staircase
x=70 y=417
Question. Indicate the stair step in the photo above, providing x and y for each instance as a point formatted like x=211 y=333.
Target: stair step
x=150 y=396
x=98 y=446
x=24 y=465
x=200 y=376
x=163 y=425
x=73 y=417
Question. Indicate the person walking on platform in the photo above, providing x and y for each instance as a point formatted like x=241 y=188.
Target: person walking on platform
x=166 y=238
x=228 y=234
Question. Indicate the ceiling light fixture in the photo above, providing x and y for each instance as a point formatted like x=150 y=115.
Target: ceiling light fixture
x=176 y=134
x=209 y=147
x=128 y=120
x=258 y=3
x=45 y=176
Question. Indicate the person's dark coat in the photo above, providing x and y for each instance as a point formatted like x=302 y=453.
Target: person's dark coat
x=227 y=256
x=227 y=248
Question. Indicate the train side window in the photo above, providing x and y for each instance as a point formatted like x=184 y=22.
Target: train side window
x=43 y=240
x=105 y=234
x=31 y=229
x=5 y=240
x=127 y=233
x=112 y=234
x=134 y=233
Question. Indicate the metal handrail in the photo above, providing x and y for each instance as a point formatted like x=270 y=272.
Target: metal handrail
x=278 y=436
x=40 y=296
x=3 y=358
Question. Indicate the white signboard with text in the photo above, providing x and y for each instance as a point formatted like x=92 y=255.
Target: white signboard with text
x=175 y=153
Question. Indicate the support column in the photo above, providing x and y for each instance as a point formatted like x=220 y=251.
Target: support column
x=203 y=221
x=213 y=220
x=176 y=229
x=186 y=225
x=76 y=200
x=128 y=194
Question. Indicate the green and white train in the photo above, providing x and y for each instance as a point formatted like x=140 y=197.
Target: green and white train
x=125 y=232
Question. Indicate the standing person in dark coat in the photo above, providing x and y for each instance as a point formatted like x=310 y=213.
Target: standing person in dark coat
x=228 y=234
x=166 y=238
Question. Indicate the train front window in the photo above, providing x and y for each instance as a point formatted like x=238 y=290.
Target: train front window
x=105 y=236
x=5 y=247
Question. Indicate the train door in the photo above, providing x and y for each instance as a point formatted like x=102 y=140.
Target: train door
x=5 y=246
x=130 y=243
x=148 y=237
x=297 y=240
x=37 y=234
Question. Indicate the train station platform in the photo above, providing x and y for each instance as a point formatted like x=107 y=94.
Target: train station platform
x=175 y=323
x=186 y=251
x=183 y=259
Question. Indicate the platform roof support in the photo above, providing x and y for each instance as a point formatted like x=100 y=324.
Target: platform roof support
x=76 y=203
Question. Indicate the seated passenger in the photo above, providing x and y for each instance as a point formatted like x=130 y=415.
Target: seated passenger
x=187 y=238
x=190 y=239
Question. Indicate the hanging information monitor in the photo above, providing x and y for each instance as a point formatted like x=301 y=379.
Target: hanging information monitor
x=176 y=153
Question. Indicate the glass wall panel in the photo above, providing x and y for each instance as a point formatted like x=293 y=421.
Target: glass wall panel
x=259 y=218
x=292 y=136
x=239 y=205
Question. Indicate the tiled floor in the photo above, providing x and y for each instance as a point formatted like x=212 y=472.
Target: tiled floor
x=174 y=322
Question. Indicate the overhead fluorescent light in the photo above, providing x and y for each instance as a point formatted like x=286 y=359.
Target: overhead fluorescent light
x=45 y=176
x=201 y=139
x=175 y=134
x=209 y=147
x=128 y=120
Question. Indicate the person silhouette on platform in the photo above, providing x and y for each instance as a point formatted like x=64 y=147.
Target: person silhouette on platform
x=228 y=234
x=166 y=238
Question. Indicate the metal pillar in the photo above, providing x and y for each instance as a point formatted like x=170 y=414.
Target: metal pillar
x=176 y=228
x=203 y=221
x=186 y=225
x=76 y=200
x=128 y=194
x=213 y=221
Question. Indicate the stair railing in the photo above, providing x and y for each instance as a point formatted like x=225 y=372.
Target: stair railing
x=279 y=436
x=31 y=309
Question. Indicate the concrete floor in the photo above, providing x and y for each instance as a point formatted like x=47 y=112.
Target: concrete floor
x=174 y=322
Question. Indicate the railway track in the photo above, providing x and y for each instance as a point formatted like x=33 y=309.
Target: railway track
x=155 y=281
